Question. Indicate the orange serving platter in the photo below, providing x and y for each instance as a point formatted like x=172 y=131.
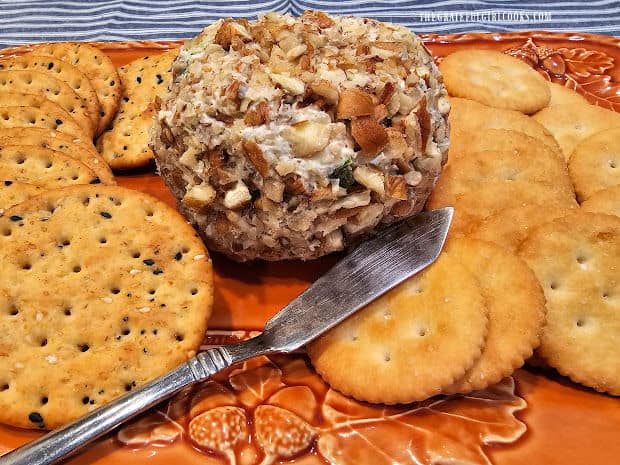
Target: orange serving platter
x=566 y=424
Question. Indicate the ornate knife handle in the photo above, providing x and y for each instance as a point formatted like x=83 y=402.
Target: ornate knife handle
x=63 y=442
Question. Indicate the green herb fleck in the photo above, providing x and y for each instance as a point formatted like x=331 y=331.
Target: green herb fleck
x=344 y=173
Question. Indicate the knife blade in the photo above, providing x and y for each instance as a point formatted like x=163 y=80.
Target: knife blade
x=368 y=271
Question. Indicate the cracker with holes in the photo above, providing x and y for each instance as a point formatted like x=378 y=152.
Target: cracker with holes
x=14 y=192
x=516 y=309
x=83 y=151
x=561 y=95
x=570 y=124
x=502 y=140
x=576 y=260
x=43 y=167
x=34 y=82
x=468 y=117
x=410 y=343
x=595 y=163
x=494 y=79
x=125 y=145
x=97 y=67
x=483 y=183
x=606 y=201
x=508 y=228
x=63 y=71
x=107 y=289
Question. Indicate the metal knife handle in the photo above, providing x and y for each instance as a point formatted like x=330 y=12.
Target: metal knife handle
x=63 y=442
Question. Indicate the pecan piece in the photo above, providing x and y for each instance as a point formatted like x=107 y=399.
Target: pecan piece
x=396 y=187
x=258 y=115
x=388 y=92
x=319 y=18
x=369 y=134
x=255 y=155
x=354 y=103
x=293 y=184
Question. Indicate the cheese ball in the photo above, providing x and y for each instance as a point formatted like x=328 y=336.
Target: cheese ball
x=291 y=138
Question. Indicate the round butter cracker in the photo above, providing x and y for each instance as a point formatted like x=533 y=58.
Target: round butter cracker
x=103 y=289
x=516 y=310
x=494 y=79
x=572 y=123
x=409 y=343
x=606 y=201
x=468 y=117
x=576 y=259
x=595 y=163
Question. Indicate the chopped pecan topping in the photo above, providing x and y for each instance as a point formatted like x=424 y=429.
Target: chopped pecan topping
x=224 y=118
x=424 y=118
x=326 y=90
x=369 y=177
x=354 y=103
x=396 y=187
x=307 y=137
x=388 y=92
x=258 y=115
x=293 y=184
x=319 y=18
x=322 y=193
x=369 y=134
x=232 y=91
x=402 y=208
x=227 y=31
x=255 y=155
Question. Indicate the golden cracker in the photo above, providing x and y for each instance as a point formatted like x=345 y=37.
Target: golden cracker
x=409 y=343
x=34 y=82
x=576 y=260
x=472 y=207
x=516 y=310
x=83 y=151
x=14 y=192
x=484 y=183
x=97 y=66
x=43 y=167
x=502 y=140
x=132 y=291
x=595 y=163
x=468 y=117
x=606 y=201
x=125 y=145
x=45 y=117
x=572 y=123
x=561 y=95
x=494 y=79
x=60 y=70
x=510 y=227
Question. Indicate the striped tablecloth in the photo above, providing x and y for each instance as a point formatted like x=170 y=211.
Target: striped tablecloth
x=108 y=20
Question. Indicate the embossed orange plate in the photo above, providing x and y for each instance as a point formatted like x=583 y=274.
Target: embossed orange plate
x=279 y=411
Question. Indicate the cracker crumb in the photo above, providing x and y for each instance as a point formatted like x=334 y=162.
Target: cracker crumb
x=134 y=271
x=52 y=359
x=19 y=365
x=144 y=310
x=39 y=316
x=199 y=257
x=107 y=300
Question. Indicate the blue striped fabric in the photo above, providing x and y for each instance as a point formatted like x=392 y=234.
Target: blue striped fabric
x=108 y=20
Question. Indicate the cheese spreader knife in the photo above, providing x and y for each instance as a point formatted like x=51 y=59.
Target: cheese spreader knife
x=368 y=271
